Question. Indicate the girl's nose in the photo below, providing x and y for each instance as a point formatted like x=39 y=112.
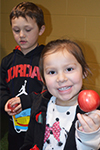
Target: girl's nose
x=61 y=77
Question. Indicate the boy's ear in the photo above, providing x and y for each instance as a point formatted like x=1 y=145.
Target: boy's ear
x=42 y=30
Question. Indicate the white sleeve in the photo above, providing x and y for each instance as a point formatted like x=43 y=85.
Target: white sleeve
x=87 y=141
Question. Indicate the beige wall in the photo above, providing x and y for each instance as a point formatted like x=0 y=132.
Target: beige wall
x=75 y=19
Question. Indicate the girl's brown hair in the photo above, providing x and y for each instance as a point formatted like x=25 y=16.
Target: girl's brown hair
x=71 y=47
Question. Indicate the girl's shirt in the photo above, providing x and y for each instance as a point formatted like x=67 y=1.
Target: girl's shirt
x=59 y=120
x=58 y=123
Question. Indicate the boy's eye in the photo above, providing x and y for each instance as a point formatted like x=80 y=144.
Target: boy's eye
x=17 y=31
x=28 y=30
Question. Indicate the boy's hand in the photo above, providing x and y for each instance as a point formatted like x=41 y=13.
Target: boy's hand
x=12 y=102
x=90 y=122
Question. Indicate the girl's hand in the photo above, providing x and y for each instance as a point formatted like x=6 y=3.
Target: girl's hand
x=90 y=122
x=13 y=101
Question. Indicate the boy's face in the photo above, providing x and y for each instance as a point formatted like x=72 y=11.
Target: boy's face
x=63 y=77
x=26 y=33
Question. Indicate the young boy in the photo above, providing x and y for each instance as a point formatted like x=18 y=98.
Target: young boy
x=19 y=70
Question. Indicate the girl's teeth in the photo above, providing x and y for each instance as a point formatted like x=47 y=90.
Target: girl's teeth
x=64 y=88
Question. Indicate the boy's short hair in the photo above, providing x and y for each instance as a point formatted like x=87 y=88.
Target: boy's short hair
x=25 y=9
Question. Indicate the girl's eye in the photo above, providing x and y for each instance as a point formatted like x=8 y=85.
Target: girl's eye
x=69 y=69
x=51 y=72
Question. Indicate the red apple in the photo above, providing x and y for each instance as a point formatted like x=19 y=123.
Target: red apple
x=88 y=100
x=12 y=107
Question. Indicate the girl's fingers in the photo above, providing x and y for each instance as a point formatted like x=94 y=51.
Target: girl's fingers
x=95 y=117
x=83 y=123
x=88 y=124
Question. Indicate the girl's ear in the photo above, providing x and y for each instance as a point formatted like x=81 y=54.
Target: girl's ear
x=43 y=81
x=42 y=30
x=85 y=75
x=44 y=85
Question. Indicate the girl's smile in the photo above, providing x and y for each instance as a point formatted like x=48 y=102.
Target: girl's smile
x=64 y=89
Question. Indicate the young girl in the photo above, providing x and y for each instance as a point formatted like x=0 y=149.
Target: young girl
x=57 y=122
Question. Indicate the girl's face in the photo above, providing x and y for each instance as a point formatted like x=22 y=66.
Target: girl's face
x=26 y=33
x=63 y=77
